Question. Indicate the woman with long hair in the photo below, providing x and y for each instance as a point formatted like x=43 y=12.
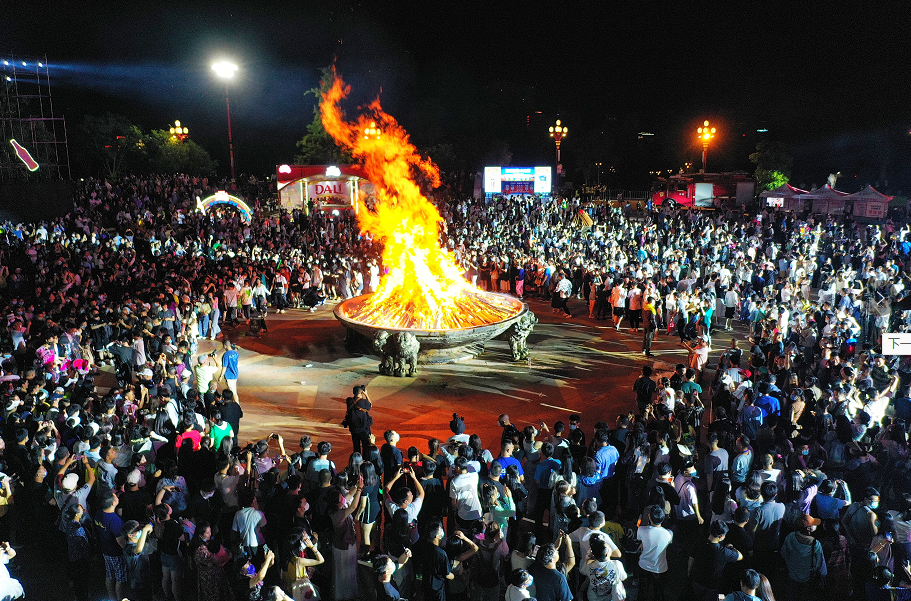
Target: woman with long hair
x=500 y=507
x=344 y=541
x=210 y=559
x=296 y=575
x=764 y=591
x=370 y=507
x=562 y=500
x=397 y=541
x=354 y=466
x=723 y=506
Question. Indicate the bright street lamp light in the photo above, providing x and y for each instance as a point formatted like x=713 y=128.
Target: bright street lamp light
x=706 y=133
x=178 y=132
x=558 y=132
x=226 y=71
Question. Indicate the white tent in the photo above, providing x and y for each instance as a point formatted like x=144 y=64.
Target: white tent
x=869 y=202
x=785 y=197
x=826 y=200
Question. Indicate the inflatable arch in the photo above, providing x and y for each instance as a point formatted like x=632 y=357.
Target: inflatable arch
x=223 y=198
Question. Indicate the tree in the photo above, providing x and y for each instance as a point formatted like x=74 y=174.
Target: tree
x=498 y=153
x=444 y=156
x=773 y=164
x=113 y=143
x=167 y=155
x=317 y=147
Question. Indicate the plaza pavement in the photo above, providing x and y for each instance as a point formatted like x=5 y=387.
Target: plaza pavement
x=294 y=380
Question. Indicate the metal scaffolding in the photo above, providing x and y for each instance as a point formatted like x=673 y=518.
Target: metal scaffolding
x=27 y=116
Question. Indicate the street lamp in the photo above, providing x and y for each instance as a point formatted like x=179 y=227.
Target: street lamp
x=178 y=133
x=706 y=133
x=226 y=71
x=373 y=131
x=558 y=132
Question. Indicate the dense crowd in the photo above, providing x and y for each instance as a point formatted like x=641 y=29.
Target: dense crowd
x=785 y=476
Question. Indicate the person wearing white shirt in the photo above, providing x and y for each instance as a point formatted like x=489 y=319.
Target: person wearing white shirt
x=582 y=536
x=731 y=300
x=463 y=490
x=655 y=540
x=402 y=498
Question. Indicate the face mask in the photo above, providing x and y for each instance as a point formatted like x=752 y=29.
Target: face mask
x=208 y=495
x=874 y=504
x=573 y=426
x=805 y=452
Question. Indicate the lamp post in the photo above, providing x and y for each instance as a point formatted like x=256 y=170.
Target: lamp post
x=706 y=133
x=558 y=132
x=226 y=71
x=178 y=133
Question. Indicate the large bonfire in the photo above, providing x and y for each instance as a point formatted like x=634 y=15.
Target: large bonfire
x=422 y=287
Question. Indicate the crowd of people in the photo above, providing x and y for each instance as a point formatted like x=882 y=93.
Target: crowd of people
x=786 y=476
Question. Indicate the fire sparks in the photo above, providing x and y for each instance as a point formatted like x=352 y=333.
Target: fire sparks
x=423 y=287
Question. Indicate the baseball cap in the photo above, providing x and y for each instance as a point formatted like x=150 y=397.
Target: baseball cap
x=69 y=482
x=147 y=373
x=805 y=521
x=134 y=477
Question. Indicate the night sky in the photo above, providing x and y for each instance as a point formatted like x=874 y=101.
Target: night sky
x=831 y=83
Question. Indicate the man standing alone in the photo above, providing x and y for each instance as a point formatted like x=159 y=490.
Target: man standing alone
x=229 y=361
x=358 y=419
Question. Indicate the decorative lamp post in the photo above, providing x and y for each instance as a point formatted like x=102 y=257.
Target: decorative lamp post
x=226 y=71
x=372 y=132
x=706 y=133
x=558 y=132
x=178 y=133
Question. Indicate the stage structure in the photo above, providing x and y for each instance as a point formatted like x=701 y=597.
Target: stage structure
x=517 y=180
x=323 y=187
x=33 y=142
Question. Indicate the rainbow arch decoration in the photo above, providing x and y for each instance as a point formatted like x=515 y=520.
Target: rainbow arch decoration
x=223 y=198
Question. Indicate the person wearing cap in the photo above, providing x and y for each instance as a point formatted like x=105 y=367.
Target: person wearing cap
x=66 y=492
x=803 y=557
x=689 y=516
x=390 y=454
x=135 y=502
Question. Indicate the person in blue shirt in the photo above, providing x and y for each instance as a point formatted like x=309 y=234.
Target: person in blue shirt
x=766 y=403
x=109 y=527
x=546 y=467
x=229 y=363
x=507 y=447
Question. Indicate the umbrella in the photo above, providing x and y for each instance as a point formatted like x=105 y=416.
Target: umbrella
x=582 y=219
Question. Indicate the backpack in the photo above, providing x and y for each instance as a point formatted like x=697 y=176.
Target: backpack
x=358 y=419
x=485 y=574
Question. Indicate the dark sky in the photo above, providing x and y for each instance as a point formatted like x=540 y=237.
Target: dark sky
x=832 y=83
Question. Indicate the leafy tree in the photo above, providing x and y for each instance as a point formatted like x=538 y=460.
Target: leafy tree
x=444 y=156
x=773 y=164
x=167 y=155
x=498 y=153
x=317 y=147
x=112 y=143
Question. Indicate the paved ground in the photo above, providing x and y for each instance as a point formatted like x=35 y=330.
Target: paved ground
x=295 y=378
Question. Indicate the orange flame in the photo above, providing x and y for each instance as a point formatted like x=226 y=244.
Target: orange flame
x=423 y=287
